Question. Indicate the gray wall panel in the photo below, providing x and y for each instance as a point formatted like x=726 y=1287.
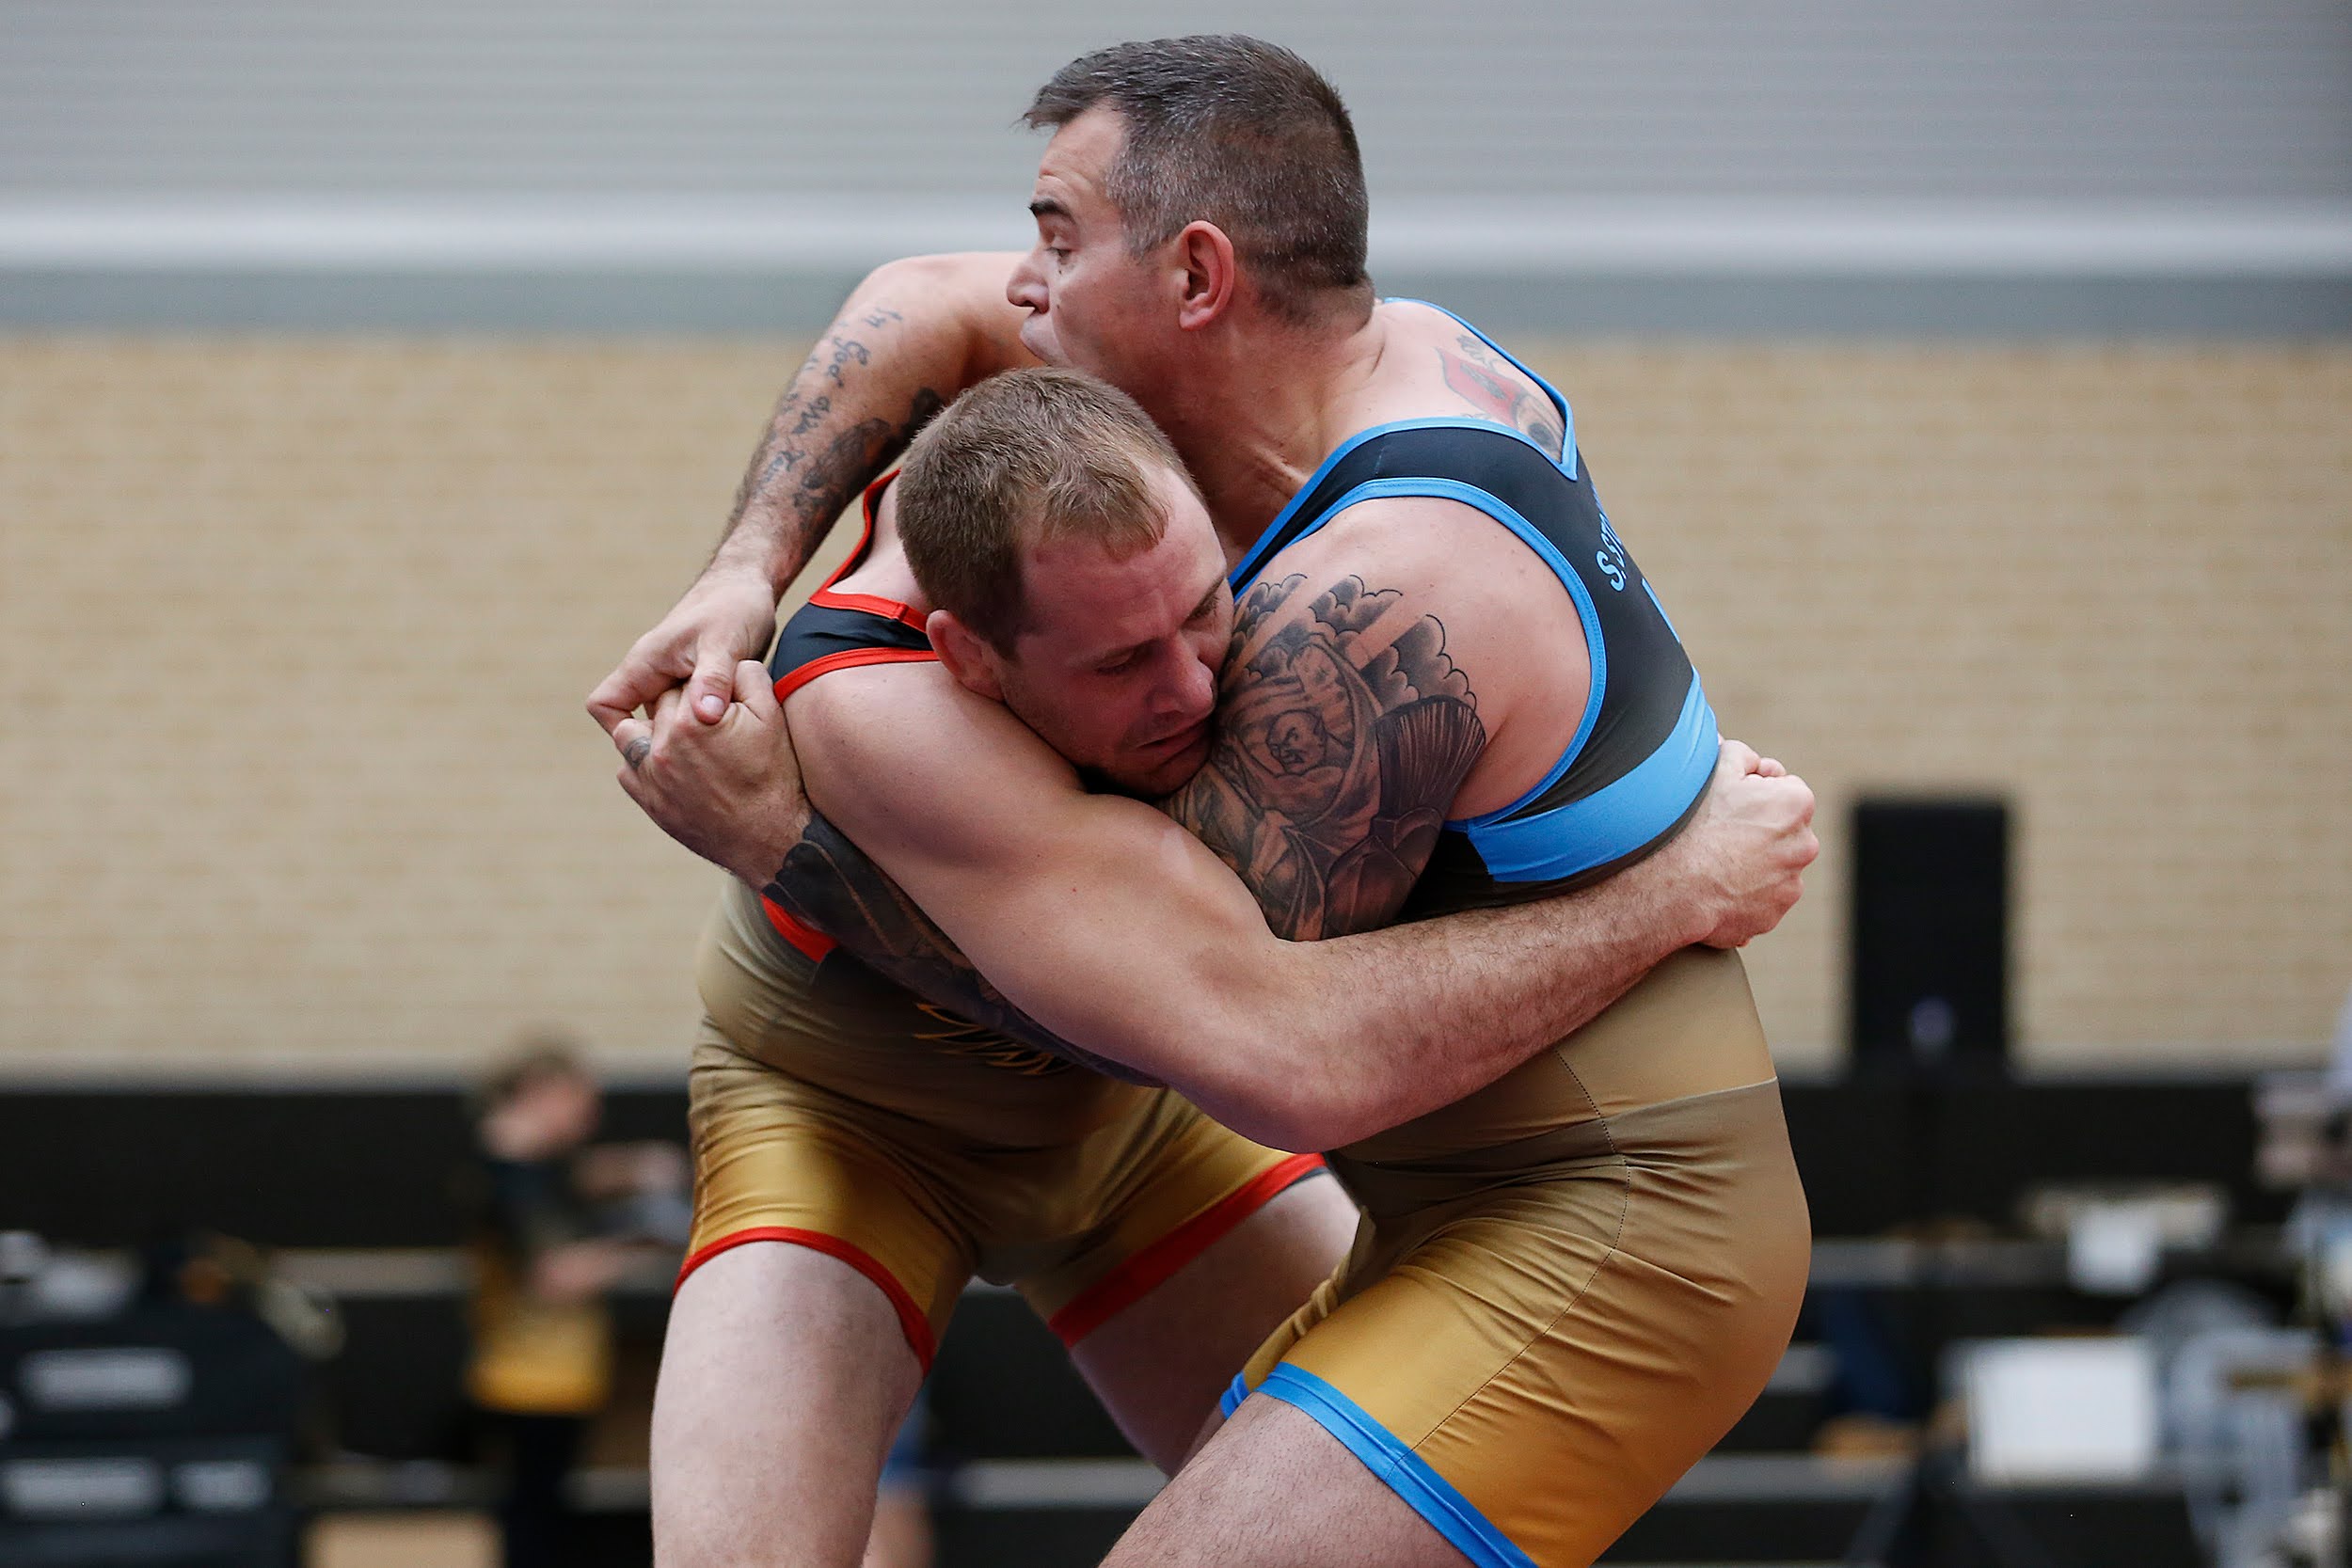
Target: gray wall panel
x=2167 y=165
x=2004 y=99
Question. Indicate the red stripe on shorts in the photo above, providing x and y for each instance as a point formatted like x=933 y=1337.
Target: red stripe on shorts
x=912 y=1322
x=809 y=940
x=1150 y=1268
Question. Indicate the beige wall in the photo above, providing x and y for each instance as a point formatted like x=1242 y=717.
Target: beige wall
x=295 y=634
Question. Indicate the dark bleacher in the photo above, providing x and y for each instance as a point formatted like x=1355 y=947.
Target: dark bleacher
x=372 y=1168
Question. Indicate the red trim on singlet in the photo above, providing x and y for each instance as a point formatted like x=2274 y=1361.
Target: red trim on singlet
x=870 y=507
x=810 y=941
x=849 y=659
x=912 y=1322
x=873 y=604
x=1150 y=1268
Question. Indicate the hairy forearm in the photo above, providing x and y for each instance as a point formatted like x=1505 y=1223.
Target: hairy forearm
x=1411 y=1018
x=1302 y=1045
x=912 y=336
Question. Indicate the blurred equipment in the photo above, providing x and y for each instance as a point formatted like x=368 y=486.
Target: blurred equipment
x=159 y=1433
x=2116 y=1233
x=2071 y=1409
x=2234 y=1402
x=1929 y=986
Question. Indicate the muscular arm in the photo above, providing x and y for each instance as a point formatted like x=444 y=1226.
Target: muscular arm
x=911 y=336
x=1103 y=921
x=1346 y=730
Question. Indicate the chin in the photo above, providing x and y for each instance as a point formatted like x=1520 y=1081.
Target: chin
x=1167 y=778
x=1039 y=339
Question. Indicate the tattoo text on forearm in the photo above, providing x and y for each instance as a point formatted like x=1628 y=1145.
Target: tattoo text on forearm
x=806 y=471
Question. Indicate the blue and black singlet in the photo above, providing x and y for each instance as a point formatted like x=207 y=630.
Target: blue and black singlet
x=1642 y=753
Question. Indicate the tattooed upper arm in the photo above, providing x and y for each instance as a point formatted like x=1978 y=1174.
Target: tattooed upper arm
x=1345 y=731
x=828 y=884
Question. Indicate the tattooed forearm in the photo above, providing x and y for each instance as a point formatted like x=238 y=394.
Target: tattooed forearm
x=828 y=884
x=1343 y=735
x=824 y=442
x=1498 y=394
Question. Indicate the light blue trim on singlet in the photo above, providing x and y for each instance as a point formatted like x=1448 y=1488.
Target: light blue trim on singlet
x=1248 y=567
x=1528 y=534
x=1398 y=1468
x=1661 y=608
x=1565 y=460
x=1618 y=817
x=1235 y=1392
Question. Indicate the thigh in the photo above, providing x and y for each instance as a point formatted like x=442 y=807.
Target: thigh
x=1536 y=1371
x=1273 y=1489
x=1195 y=1242
x=1160 y=1363
x=778 y=1160
x=785 y=1374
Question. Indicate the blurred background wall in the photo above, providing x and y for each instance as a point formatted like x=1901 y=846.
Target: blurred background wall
x=1974 y=383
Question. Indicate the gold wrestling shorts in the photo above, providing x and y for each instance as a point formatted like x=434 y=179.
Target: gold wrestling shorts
x=836 y=1111
x=1567 y=1287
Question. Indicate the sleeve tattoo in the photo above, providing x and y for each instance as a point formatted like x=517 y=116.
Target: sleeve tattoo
x=1342 y=744
x=811 y=465
x=1339 y=749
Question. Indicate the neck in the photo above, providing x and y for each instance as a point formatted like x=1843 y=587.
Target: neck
x=1260 y=409
x=884 y=572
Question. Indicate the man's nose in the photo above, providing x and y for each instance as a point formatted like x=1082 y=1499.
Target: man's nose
x=1192 y=691
x=1026 y=288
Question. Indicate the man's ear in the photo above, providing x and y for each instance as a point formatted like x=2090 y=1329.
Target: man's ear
x=1211 y=275
x=969 y=660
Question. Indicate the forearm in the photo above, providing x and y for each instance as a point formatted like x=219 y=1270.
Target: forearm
x=1394 y=1023
x=911 y=336
x=1301 y=1045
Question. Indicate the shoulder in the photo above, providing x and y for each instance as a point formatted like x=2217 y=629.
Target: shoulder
x=902 y=749
x=1446 y=555
x=1436 y=364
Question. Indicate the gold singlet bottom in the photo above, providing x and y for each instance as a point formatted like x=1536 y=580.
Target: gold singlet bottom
x=1568 y=1286
x=835 y=1111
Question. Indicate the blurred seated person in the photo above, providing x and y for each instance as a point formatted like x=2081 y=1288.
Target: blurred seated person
x=558 y=1223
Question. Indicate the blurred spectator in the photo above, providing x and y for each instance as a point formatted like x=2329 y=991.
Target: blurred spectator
x=559 y=1222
